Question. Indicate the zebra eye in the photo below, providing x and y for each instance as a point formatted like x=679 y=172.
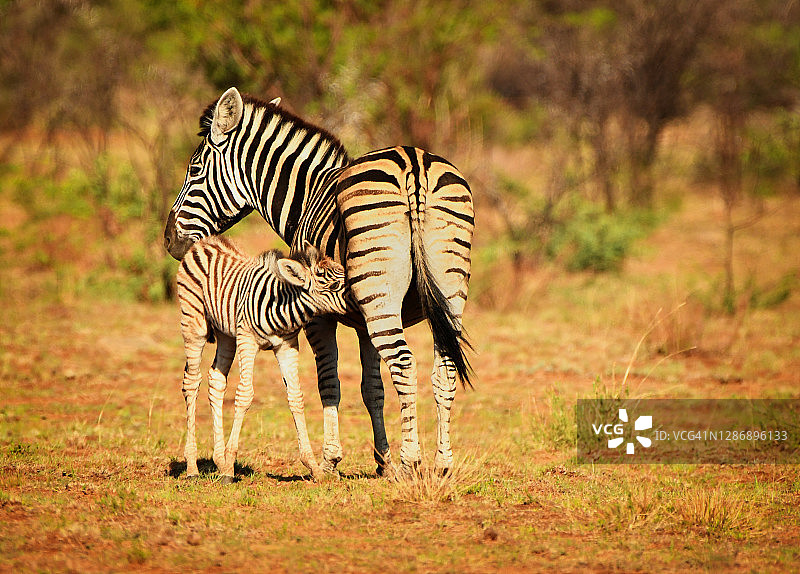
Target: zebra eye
x=194 y=170
x=335 y=285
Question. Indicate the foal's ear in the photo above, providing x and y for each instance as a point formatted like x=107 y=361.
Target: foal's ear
x=311 y=252
x=276 y=102
x=293 y=272
x=227 y=113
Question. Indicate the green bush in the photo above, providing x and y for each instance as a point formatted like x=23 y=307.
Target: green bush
x=593 y=240
x=92 y=228
x=771 y=151
x=768 y=296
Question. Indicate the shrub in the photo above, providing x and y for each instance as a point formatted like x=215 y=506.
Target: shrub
x=593 y=240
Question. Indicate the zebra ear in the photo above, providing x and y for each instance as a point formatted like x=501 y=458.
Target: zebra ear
x=293 y=272
x=276 y=102
x=227 y=114
x=311 y=252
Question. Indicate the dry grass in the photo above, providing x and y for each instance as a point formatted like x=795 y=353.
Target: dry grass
x=88 y=492
x=638 y=505
x=671 y=328
x=426 y=486
x=717 y=510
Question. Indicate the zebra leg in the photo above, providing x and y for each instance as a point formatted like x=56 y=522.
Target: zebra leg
x=247 y=348
x=217 y=384
x=379 y=285
x=444 y=392
x=388 y=337
x=443 y=380
x=321 y=335
x=373 y=395
x=287 y=355
x=447 y=243
x=385 y=328
x=444 y=376
x=191 y=385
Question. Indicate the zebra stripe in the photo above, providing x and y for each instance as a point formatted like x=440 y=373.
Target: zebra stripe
x=396 y=218
x=247 y=304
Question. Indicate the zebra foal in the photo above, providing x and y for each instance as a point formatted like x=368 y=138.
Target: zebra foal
x=246 y=304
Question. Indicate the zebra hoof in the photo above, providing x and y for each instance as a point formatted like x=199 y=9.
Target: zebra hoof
x=386 y=471
x=409 y=471
x=442 y=472
x=318 y=475
x=443 y=464
x=385 y=467
x=328 y=474
x=225 y=479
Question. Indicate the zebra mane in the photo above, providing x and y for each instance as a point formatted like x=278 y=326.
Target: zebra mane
x=267 y=259
x=222 y=242
x=207 y=118
x=270 y=258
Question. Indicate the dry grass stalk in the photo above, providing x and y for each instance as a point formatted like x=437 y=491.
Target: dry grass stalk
x=425 y=485
x=716 y=510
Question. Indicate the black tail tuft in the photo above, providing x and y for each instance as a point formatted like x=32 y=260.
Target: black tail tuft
x=448 y=335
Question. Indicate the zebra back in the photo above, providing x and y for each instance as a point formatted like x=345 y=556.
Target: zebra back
x=407 y=196
x=208 y=283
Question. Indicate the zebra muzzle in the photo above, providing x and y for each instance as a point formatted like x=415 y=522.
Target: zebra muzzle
x=175 y=244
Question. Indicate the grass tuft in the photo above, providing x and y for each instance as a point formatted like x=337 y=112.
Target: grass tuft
x=716 y=510
x=425 y=485
x=678 y=331
x=638 y=505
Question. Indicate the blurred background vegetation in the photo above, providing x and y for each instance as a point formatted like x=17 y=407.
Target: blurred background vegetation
x=579 y=123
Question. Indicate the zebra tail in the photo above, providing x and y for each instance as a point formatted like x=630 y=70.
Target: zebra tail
x=448 y=335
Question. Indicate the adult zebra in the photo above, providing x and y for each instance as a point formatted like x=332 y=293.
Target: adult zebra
x=399 y=219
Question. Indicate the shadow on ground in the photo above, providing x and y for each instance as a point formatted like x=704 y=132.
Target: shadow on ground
x=207 y=468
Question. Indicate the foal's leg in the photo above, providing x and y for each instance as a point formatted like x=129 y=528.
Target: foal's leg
x=217 y=384
x=287 y=355
x=193 y=347
x=247 y=348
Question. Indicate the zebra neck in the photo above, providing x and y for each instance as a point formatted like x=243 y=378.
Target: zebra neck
x=285 y=162
x=288 y=308
x=320 y=223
